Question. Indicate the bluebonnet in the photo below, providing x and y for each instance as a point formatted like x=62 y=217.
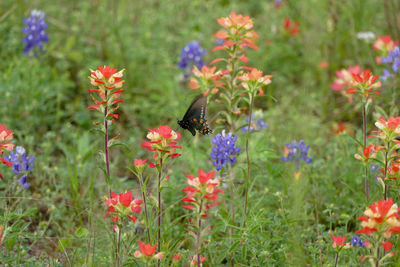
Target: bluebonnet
x=21 y=164
x=224 y=150
x=374 y=168
x=394 y=58
x=35 y=32
x=219 y=41
x=258 y=125
x=297 y=151
x=386 y=75
x=193 y=52
x=356 y=241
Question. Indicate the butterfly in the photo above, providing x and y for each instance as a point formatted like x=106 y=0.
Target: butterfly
x=195 y=117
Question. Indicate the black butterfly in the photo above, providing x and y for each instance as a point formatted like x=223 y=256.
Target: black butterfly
x=195 y=117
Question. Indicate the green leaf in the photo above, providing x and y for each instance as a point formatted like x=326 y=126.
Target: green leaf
x=106 y=176
x=81 y=232
x=10 y=243
x=64 y=243
x=381 y=112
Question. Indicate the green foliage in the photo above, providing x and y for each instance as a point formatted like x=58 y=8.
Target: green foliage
x=59 y=220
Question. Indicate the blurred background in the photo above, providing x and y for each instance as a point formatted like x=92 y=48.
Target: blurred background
x=45 y=99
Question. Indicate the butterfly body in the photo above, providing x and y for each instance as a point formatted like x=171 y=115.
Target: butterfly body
x=195 y=117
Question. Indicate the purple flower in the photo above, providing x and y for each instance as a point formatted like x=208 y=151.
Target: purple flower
x=257 y=125
x=219 y=41
x=386 y=75
x=193 y=52
x=21 y=163
x=394 y=58
x=34 y=30
x=223 y=152
x=297 y=151
x=23 y=182
x=356 y=241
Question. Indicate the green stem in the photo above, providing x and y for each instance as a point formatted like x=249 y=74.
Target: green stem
x=248 y=157
x=198 y=239
x=145 y=207
x=159 y=209
x=364 y=116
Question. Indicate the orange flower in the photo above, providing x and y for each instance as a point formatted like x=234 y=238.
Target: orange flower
x=207 y=79
x=364 y=84
x=236 y=22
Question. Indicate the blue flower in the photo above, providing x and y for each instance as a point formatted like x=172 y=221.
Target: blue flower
x=258 y=125
x=219 y=41
x=21 y=163
x=356 y=241
x=193 y=52
x=34 y=30
x=23 y=182
x=224 y=151
x=297 y=151
x=394 y=58
x=386 y=75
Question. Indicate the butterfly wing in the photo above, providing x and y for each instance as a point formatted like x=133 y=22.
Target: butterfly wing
x=195 y=117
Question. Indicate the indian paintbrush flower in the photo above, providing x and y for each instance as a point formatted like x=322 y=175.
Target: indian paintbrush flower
x=254 y=80
x=5 y=136
x=147 y=251
x=163 y=141
x=364 y=84
x=35 y=32
x=339 y=242
x=380 y=222
x=207 y=78
x=384 y=44
x=291 y=27
x=343 y=80
x=238 y=33
x=202 y=190
x=224 y=150
x=123 y=205
x=381 y=217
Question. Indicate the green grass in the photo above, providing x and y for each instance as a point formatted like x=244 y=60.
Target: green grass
x=44 y=101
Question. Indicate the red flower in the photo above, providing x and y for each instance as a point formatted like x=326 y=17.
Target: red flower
x=139 y=162
x=202 y=189
x=5 y=135
x=123 y=205
x=291 y=27
x=367 y=153
x=385 y=44
x=387 y=245
x=147 y=249
x=338 y=241
x=364 y=83
x=176 y=257
x=126 y=198
x=382 y=217
x=107 y=71
x=162 y=140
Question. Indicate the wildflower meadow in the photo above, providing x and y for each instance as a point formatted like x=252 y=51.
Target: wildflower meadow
x=200 y=133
